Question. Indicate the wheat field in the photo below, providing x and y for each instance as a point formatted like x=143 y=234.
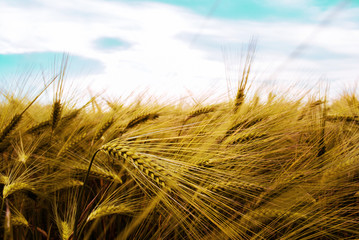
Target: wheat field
x=260 y=167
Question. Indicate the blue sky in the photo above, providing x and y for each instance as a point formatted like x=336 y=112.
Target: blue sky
x=176 y=48
x=253 y=10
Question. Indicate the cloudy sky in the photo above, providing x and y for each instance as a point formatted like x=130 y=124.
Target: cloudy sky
x=182 y=47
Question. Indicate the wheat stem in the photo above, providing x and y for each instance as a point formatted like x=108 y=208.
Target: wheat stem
x=81 y=195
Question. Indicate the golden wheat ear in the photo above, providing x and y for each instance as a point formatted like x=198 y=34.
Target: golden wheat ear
x=142 y=118
x=19 y=220
x=11 y=126
x=152 y=170
x=341 y=118
x=56 y=114
x=71 y=144
x=104 y=127
x=109 y=209
x=141 y=162
x=16 y=186
x=66 y=220
x=38 y=128
x=200 y=111
x=5 y=132
x=57 y=105
x=240 y=96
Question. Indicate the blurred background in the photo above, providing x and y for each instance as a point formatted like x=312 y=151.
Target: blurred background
x=172 y=49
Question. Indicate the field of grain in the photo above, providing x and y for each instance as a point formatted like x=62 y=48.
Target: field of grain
x=266 y=167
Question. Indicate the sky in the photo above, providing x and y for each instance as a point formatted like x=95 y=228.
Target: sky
x=177 y=48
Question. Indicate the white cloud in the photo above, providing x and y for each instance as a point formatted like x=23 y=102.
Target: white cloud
x=162 y=61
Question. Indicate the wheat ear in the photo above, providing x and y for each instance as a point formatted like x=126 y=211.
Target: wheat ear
x=235 y=128
x=19 y=220
x=99 y=133
x=245 y=75
x=65 y=230
x=144 y=164
x=338 y=170
x=11 y=126
x=140 y=119
x=239 y=99
x=228 y=185
x=252 y=218
x=101 y=173
x=56 y=114
x=69 y=145
x=200 y=111
x=108 y=210
x=39 y=127
x=353 y=119
x=322 y=147
x=72 y=115
x=4 y=179
x=17 y=117
x=14 y=187
x=246 y=137
x=67 y=183
x=196 y=113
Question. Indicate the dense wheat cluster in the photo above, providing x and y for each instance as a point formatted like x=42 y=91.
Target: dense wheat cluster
x=247 y=168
